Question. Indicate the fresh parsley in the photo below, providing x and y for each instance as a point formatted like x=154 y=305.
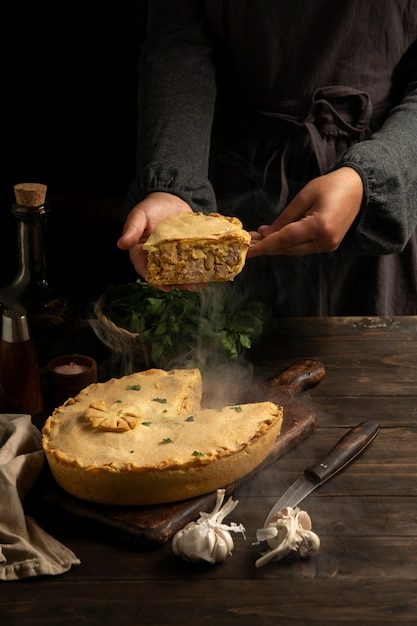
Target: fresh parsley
x=211 y=318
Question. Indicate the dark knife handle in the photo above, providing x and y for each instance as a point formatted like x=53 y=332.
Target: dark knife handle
x=300 y=375
x=346 y=450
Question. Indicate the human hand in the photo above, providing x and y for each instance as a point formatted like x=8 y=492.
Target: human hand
x=141 y=222
x=316 y=220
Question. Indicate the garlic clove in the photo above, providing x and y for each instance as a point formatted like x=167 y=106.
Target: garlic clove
x=309 y=545
x=290 y=530
x=208 y=538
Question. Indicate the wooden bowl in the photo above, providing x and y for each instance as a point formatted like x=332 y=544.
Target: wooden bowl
x=67 y=375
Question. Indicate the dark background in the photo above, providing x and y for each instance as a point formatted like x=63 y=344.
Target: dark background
x=68 y=77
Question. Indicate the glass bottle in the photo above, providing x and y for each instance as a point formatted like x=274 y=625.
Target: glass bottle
x=52 y=309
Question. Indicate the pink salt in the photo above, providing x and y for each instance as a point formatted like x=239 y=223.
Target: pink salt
x=70 y=368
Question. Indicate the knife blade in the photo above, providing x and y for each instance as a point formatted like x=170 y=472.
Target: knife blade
x=346 y=450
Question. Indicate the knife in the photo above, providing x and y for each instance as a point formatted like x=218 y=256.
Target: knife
x=347 y=449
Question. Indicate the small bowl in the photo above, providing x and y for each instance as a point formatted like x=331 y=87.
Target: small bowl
x=67 y=375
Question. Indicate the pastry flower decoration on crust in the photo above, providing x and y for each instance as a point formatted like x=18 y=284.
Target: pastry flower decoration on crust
x=288 y=531
x=117 y=417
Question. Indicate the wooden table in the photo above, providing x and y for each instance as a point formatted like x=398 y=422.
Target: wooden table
x=366 y=517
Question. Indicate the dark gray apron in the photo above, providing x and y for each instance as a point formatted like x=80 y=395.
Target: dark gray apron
x=262 y=159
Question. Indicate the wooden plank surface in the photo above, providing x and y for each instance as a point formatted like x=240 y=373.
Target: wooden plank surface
x=366 y=570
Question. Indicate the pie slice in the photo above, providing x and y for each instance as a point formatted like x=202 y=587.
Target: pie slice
x=196 y=248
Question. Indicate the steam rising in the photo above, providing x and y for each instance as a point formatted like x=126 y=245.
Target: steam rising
x=224 y=381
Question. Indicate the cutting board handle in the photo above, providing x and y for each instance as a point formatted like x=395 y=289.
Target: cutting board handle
x=299 y=376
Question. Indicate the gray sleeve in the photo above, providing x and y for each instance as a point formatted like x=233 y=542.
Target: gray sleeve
x=387 y=163
x=177 y=91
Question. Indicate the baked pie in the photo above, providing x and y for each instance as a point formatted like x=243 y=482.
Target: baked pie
x=144 y=439
x=196 y=248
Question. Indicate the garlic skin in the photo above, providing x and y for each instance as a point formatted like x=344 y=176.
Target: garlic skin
x=208 y=539
x=289 y=530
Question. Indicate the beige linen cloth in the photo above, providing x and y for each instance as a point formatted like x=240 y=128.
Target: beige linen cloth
x=25 y=548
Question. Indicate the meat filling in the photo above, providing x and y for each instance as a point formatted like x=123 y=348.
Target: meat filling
x=180 y=262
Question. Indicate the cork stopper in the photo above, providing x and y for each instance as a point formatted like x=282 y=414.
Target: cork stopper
x=30 y=194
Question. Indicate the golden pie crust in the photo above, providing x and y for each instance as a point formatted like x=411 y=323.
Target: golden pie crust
x=144 y=439
x=196 y=248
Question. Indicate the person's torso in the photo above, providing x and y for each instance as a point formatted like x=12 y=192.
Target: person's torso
x=281 y=51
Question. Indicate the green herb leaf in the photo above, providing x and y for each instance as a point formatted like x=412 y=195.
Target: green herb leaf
x=160 y=400
x=187 y=320
x=134 y=387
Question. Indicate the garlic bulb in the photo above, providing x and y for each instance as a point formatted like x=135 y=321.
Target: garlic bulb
x=289 y=530
x=208 y=539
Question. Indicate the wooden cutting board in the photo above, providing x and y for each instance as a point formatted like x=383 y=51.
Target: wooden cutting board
x=149 y=527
